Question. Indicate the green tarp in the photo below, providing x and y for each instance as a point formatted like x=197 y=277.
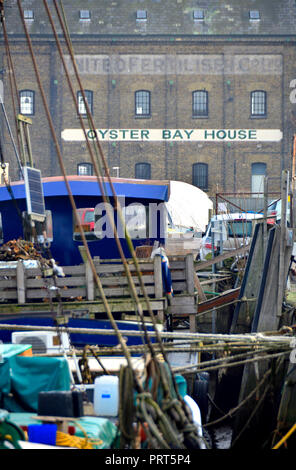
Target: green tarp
x=100 y=429
x=23 y=377
x=7 y=351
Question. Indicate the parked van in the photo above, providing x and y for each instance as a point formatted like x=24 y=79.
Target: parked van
x=274 y=211
x=232 y=230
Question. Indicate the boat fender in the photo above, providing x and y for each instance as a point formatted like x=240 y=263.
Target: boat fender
x=200 y=394
x=165 y=266
x=167 y=280
x=196 y=417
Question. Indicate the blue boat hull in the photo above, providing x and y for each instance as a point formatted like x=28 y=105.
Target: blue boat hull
x=79 y=340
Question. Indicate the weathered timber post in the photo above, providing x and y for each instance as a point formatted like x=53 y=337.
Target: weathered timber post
x=283 y=241
x=20 y=283
x=89 y=280
x=190 y=283
x=265 y=214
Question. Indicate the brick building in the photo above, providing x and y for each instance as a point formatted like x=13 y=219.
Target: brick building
x=161 y=65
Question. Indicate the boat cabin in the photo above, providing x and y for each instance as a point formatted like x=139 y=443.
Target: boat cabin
x=142 y=203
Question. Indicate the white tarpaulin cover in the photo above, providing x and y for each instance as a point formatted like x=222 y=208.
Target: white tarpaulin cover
x=188 y=206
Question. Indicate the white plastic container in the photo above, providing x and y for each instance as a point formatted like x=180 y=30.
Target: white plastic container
x=106 y=395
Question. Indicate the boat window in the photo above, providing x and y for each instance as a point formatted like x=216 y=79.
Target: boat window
x=44 y=230
x=49 y=226
x=136 y=220
x=87 y=221
x=89 y=216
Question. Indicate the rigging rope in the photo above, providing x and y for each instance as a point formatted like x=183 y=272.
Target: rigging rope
x=11 y=74
x=117 y=204
x=176 y=405
x=130 y=245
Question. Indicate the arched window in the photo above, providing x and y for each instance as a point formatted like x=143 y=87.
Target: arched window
x=84 y=169
x=200 y=103
x=81 y=103
x=27 y=102
x=258 y=103
x=258 y=174
x=143 y=171
x=200 y=175
x=142 y=103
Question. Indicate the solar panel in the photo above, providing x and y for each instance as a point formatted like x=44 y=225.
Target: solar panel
x=34 y=193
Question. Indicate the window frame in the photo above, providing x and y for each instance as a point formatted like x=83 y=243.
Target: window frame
x=142 y=165
x=148 y=94
x=198 y=14
x=141 y=18
x=32 y=92
x=254 y=18
x=89 y=102
x=87 y=165
x=195 y=176
x=204 y=115
x=260 y=115
x=81 y=18
x=27 y=15
x=255 y=172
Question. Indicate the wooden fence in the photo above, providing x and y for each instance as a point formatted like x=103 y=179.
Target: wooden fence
x=25 y=290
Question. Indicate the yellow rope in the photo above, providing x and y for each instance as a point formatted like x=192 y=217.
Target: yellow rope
x=66 y=440
x=286 y=437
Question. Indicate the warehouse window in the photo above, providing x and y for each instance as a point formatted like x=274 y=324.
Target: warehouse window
x=81 y=103
x=142 y=103
x=27 y=102
x=258 y=175
x=200 y=103
x=29 y=15
x=84 y=15
x=254 y=15
x=200 y=175
x=258 y=103
x=84 y=169
x=143 y=171
x=141 y=15
x=198 y=15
